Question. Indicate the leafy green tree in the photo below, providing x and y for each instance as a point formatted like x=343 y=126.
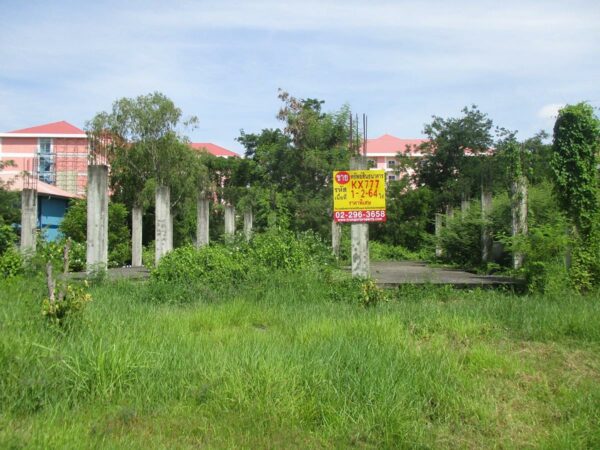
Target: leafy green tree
x=575 y=164
x=143 y=143
x=453 y=154
x=291 y=168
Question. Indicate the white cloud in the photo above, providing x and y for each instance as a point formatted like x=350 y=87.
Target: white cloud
x=549 y=112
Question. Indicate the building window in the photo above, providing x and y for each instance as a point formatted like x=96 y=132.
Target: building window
x=46 y=169
x=391 y=163
x=392 y=178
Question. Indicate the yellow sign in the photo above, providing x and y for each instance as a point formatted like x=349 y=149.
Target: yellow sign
x=359 y=195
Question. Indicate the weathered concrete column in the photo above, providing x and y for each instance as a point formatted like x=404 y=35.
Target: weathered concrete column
x=336 y=238
x=136 y=236
x=170 y=234
x=486 y=235
x=449 y=211
x=360 y=234
x=229 y=220
x=439 y=223
x=97 y=218
x=519 y=215
x=29 y=218
x=162 y=227
x=203 y=220
x=465 y=204
x=248 y=219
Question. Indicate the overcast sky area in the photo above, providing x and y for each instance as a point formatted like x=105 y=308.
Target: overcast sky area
x=400 y=62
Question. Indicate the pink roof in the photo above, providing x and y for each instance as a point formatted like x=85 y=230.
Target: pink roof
x=15 y=183
x=61 y=127
x=213 y=149
x=391 y=144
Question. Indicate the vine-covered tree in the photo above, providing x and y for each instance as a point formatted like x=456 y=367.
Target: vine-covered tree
x=575 y=164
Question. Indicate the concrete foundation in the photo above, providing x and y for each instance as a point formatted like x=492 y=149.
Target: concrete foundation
x=203 y=221
x=248 y=219
x=29 y=218
x=97 y=218
x=439 y=223
x=229 y=220
x=162 y=226
x=136 y=236
x=486 y=235
x=336 y=238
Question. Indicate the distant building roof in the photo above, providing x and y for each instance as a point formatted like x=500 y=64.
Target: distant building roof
x=391 y=145
x=15 y=183
x=54 y=128
x=213 y=149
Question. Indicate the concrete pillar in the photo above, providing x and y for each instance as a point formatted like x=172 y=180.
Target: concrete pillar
x=29 y=218
x=170 y=233
x=203 y=221
x=519 y=215
x=439 y=223
x=162 y=227
x=336 y=238
x=136 y=236
x=486 y=235
x=97 y=218
x=360 y=234
x=229 y=220
x=449 y=211
x=465 y=204
x=248 y=219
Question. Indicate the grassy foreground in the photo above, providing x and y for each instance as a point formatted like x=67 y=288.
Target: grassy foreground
x=279 y=364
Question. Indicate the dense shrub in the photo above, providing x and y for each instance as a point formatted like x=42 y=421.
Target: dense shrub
x=7 y=238
x=380 y=251
x=461 y=239
x=223 y=265
x=11 y=263
x=215 y=264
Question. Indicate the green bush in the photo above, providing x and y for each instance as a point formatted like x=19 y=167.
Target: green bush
x=461 y=239
x=224 y=265
x=7 y=238
x=11 y=263
x=214 y=265
x=380 y=251
x=62 y=311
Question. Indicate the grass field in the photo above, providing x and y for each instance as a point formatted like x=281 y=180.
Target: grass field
x=281 y=364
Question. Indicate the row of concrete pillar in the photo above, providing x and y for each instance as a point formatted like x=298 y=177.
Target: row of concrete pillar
x=97 y=222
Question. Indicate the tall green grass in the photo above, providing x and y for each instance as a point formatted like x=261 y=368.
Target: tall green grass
x=285 y=362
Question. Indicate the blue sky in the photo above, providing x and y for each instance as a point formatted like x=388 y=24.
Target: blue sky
x=398 y=61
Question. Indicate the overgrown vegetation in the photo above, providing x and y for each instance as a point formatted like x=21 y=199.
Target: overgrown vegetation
x=292 y=361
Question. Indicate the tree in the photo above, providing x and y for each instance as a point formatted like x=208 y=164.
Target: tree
x=575 y=164
x=145 y=148
x=451 y=166
x=291 y=168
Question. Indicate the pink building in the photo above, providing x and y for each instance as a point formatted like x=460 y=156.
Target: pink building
x=214 y=149
x=57 y=151
x=382 y=151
